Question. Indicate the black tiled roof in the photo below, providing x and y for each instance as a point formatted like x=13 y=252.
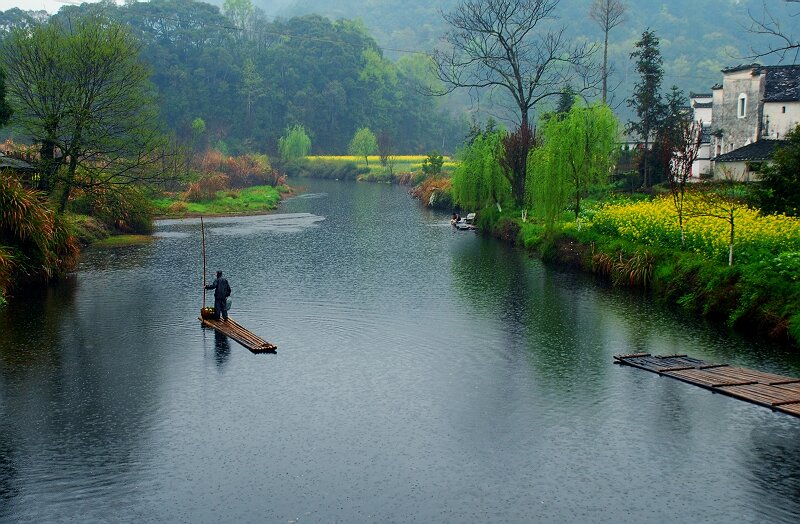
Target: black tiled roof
x=703 y=105
x=757 y=151
x=7 y=162
x=741 y=67
x=783 y=83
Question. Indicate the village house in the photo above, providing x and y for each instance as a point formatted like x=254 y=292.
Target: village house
x=701 y=105
x=751 y=111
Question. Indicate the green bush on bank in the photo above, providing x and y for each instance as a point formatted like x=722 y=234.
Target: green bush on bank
x=125 y=209
x=255 y=199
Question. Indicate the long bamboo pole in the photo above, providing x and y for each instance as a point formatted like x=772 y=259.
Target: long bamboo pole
x=203 y=233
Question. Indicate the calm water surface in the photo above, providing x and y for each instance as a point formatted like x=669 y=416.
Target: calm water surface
x=422 y=375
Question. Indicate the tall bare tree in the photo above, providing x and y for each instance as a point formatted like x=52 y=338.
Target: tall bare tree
x=513 y=46
x=679 y=150
x=608 y=14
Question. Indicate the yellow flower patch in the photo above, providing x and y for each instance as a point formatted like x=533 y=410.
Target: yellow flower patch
x=707 y=227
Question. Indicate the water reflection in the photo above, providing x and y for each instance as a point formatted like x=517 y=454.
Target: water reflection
x=8 y=474
x=422 y=375
x=32 y=327
x=222 y=349
x=118 y=258
x=771 y=456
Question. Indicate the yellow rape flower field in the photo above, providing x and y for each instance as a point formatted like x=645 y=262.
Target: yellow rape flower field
x=401 y=162
x=756 y=237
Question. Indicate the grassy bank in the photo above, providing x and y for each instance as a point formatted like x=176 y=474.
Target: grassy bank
x=251 y=200
x=636 y=244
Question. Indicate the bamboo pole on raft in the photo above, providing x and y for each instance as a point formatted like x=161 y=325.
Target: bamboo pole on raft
x=203 y=233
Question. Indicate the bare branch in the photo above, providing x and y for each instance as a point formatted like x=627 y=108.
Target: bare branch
x=782 y=44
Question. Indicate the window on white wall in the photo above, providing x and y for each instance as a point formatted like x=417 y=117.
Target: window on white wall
x=742 y=107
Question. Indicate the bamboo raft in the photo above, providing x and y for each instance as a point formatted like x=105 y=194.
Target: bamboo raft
x=234 y=330
x=777 y=392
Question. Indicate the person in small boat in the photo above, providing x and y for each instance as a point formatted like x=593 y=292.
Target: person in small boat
x=222 y=291
x=454 y=220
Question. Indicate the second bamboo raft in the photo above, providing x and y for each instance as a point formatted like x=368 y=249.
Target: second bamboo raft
x=778 y=392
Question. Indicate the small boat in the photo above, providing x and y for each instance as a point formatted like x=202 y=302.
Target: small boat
x=465 y=224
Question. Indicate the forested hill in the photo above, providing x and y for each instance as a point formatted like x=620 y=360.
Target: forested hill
x=249 y=78
x=334 y=66
x=698 y=38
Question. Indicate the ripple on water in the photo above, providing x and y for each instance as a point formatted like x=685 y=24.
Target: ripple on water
x=421 y=374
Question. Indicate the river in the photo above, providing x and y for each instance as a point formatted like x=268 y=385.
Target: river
x=422 y=374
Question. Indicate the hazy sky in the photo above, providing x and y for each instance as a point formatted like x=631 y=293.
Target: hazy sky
x=51 y=6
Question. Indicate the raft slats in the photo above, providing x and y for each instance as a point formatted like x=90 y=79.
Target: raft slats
x=763 y=393
x=791 y=409
x=778 y=392
x=794 y=386
x=234 y=330
x=707 y=378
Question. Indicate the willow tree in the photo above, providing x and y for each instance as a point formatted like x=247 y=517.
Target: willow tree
x=478 y=180
x=513 y=47
x=294 y=144
x=577 y=151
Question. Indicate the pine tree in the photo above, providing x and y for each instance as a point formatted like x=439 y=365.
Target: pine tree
x=646 y=99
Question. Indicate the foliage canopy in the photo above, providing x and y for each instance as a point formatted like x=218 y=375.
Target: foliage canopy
x=80 y=90
x=294 y=144
x=577 y=150
x=363 y=144
x=779 y=189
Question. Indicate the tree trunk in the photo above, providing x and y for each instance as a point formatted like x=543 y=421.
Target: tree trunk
x=730 y=247
x=605 y=68
x=48 y=166
x=68 y=181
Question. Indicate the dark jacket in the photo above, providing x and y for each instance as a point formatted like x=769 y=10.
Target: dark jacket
x=221 y=287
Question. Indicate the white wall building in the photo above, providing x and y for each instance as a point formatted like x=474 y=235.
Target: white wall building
x=702 y=104
x=753 y=108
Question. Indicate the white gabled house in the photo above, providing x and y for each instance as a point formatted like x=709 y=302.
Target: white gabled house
x=751 y=111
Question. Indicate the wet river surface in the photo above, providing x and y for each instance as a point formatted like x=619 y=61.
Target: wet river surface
x=422 y=375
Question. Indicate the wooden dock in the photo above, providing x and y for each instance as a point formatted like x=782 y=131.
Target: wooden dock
x=234 y=330
x=777 y=392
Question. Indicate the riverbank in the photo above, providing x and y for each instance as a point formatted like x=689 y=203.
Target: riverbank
x=247 y=201
x=759 y=296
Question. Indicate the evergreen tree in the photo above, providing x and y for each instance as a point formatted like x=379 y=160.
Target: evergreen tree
x=646 y=99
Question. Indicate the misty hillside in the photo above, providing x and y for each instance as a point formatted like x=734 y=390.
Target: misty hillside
x=697 y=38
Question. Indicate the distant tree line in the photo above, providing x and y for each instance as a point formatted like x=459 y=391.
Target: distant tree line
x=249 y=79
